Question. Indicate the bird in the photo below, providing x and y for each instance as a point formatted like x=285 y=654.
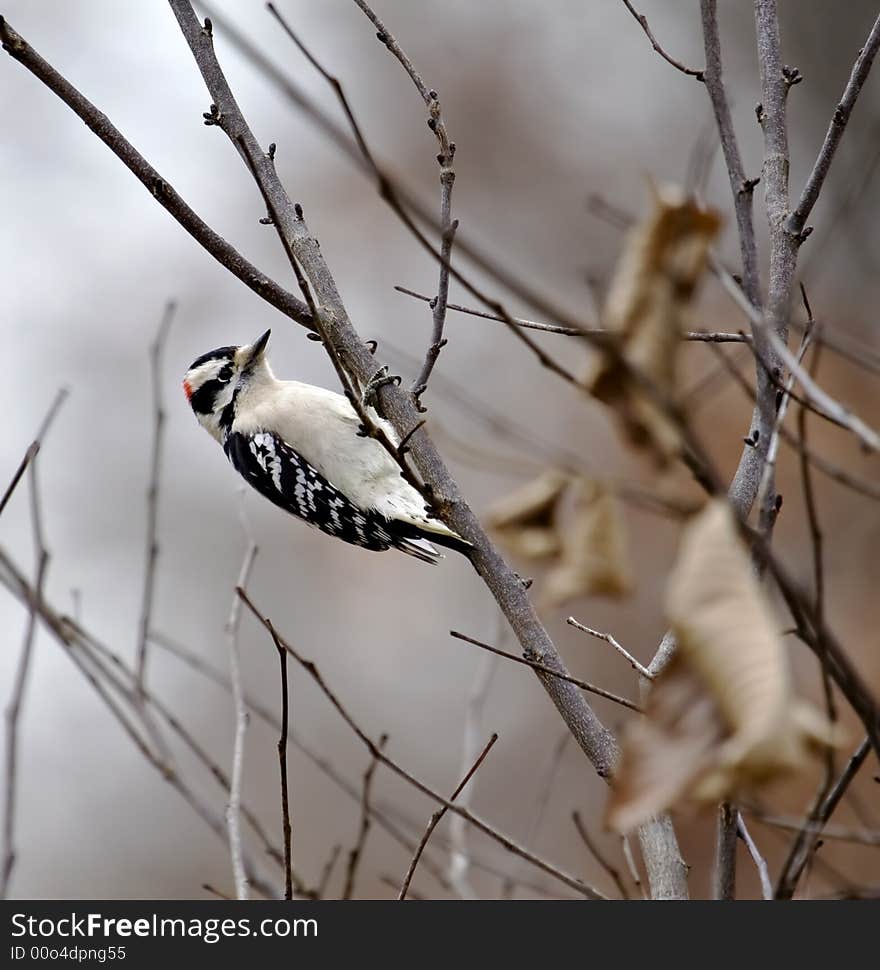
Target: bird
x=304 y=449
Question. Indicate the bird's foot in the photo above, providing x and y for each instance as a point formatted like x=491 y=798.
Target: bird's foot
x=380 y=379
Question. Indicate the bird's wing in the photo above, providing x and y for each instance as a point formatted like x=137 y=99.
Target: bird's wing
x=279 y=473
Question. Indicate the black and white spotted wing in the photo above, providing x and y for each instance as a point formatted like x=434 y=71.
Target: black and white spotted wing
x=284 y=477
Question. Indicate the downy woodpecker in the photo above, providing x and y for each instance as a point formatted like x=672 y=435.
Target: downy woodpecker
x=300 y=447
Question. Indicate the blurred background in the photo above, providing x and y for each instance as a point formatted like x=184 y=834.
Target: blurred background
x=549 y=104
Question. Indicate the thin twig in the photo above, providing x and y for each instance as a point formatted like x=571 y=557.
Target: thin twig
x=268 y=717
x=804 y=845
x=836 y=128
x=837 y=833
x=472 y=734
x=376 y=752
x=156 y=351
x=757 y=858
x=631 y=865
x=642 y=21
x=630 y=659
x=742 y=189
x=698 y=336
x=29 y=455
x=324 y=881
x=282 y=764
x=218 y=893
x=13 y=711
x=19 y=685
x=448 y=225
x=598 y=855
x=241 y=720
x=544 y=669
x=356 y=854
x=820 y=400
x=816 y=543
x=69 y=637
x=96 y=653
x=766 y=501
x=830 y=469
x=438 y=815
x=34 y=447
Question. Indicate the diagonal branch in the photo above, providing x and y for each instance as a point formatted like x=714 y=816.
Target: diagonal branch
x=836 y=127
x=642 y=21
x=16 y=46
x=438 y=815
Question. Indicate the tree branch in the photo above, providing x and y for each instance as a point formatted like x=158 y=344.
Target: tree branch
x=438 y=815
x=15 y=45
x=836 y=128
x=642 y=21
x=153 y=493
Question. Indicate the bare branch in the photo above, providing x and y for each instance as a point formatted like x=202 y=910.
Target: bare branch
x=630 y=659
x=836 y=128
x=156 y=185
x=241 y=720
x=282 y=763
x=724 y=868
x=70 y=637
x=459 y=858
x=598 y=855
x=775 y=349
x=805 y=843
x=13 y=711
x=35 y=599
x=201 y=666
x=438 y=815
x=741 y=187
x=356 y=854
x=34 y=447
x=631 y=865
x=757 y=858
x=380 y=756
x=153 y=491
x=549 y=671
x=699 y=336
x=642 y=21
x=324 y=881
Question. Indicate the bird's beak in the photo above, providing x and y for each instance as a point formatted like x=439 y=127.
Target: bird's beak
x=258 y=348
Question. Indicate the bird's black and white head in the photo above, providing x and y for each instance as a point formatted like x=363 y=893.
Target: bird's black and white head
x=216 y=381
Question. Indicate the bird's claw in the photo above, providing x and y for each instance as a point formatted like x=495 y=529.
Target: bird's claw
x=380 y=379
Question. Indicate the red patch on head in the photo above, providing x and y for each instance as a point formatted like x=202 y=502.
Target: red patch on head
x=187 y=389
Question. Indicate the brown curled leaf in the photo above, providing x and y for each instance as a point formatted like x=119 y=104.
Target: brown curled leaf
x=647 y=310
x=723 y=717
x=595 y=556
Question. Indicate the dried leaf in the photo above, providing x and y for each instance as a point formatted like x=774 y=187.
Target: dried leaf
x=664 y=751
x=525 y=520
x=647 y=309
x=594 y=558
x=723 y=717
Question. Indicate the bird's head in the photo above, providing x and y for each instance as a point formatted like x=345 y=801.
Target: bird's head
x=214 y=381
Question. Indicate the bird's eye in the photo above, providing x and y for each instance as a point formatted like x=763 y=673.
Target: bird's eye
x=225 y=372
